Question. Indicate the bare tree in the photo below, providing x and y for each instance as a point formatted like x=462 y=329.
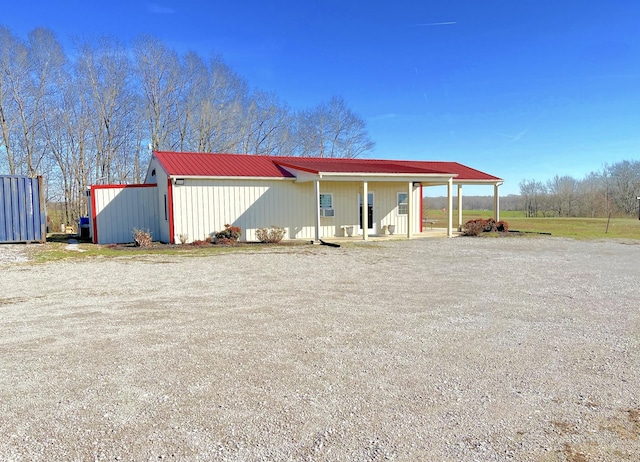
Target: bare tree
x=28 y=70
x=10 y=46
x=266 y=125
x=158 y=71
x=104 y=74
x=32 y=85
x=625 y=185
x=332 y=130
x=532 y=193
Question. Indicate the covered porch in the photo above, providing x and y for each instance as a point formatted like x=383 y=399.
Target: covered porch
x=409 y=177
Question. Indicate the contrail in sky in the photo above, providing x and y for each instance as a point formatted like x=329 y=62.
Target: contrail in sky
x=437 y=23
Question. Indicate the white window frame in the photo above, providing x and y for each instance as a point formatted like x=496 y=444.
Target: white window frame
x=325 y=206
x=405 y=204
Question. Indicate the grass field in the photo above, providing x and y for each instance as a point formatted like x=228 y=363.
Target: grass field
x=577 y=228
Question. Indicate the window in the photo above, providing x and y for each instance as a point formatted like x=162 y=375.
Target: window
x=326 y=205
x=326 y=201
x=402 y=203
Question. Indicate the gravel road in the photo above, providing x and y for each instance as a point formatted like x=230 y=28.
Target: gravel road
x=466 y=349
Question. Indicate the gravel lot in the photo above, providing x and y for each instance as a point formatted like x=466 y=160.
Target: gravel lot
x=466 y=349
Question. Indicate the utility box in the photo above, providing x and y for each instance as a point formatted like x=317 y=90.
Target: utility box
x=83 y=228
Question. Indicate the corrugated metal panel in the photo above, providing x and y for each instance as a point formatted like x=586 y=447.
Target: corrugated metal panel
x=201 y=164
x=116 y=210
x=207 y=164
x=386 y=207
x=22 y=211
x=203 y=207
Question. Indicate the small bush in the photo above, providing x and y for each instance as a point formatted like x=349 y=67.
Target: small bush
x=476 y=227
x=183 y=238
x=200 y=243
x=141 y=238
x=271 y=235
x=229 y=235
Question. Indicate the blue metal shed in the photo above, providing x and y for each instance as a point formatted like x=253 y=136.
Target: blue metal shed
x=22 y=211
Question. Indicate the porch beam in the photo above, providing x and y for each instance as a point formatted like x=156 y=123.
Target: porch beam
x=316 y=185
x=496 y=202
x=459 y=207
x=409 y=208
x=450 y=207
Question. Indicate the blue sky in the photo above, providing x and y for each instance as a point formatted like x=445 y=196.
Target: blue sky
x=519 y=89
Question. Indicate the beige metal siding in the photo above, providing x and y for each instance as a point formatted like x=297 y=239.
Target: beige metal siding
x=202 y=207
x=385 y=207
x=164 y=206
x=119 y=210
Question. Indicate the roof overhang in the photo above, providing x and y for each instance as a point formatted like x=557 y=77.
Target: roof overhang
x=305 y=176
x=221 y=177
x=468 y=182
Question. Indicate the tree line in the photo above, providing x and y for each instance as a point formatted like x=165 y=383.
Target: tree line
x=612 y=190
x=95 y=115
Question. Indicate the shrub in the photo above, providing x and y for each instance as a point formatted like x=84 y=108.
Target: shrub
x=229 y=235
x=183 y=238
x=141 y=238
x=502 y=226
x=476 y=227
x=200 y=243
x=270 y=235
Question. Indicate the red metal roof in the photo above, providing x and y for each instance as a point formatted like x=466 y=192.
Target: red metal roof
x=248 y=165
x=332 y=165
x=200 y=164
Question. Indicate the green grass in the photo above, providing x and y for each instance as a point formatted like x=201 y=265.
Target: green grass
x=576 y=228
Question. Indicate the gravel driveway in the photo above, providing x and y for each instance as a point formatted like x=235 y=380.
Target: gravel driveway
x=466 y=349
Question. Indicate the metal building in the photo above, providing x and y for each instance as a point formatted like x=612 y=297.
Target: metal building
x=22 y=209
x=197 y=194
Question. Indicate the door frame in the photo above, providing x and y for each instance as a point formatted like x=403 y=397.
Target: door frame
x=370 y=203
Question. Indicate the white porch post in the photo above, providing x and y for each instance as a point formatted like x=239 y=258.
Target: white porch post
x=409 y=208
x=365 y=211
x=450 y=207
x=459 y=207
x=496 y=202
x=317 y=191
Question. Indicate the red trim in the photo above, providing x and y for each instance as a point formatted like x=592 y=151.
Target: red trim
x=170 y=206
x=94 y=217
x=421 y=208
x=122 y=186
